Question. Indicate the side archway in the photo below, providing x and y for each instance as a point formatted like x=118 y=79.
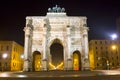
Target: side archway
x=36 y=61
x=76 y=60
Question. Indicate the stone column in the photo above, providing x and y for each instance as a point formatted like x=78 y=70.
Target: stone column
x=69 y=60
x=44 y=59
x=86 y=65
x=27 y=51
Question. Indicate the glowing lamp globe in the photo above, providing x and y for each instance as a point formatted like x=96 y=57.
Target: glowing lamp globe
x=5 y=55
x=114 y=36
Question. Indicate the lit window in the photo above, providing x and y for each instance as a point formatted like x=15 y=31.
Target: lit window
x=113 y=64
x=97 y=64
x=118 y=63
x=5 y=64
x=0 y=56
x=95 y=42
x=105 y=42
x=112 y=58
x=96 y=47
x=106 y=52
x=14 y=49
x=106 y=48
x=96 y=52
x=13 y=64
x=117 y=57
x=7 y=47
x=1 y=48
x=13 y=56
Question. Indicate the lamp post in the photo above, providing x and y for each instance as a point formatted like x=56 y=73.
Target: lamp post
x=21 y=61
x=4 y=56
x=116 y=51
x=115 y=46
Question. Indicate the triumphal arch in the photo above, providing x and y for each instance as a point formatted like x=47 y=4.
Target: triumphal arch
x=65 y=36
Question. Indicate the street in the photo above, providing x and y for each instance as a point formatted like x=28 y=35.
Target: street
x=62 y=75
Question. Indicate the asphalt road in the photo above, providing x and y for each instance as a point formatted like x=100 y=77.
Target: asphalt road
x=61 y=75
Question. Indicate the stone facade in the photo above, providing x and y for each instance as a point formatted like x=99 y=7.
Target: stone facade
x=104 y=54
x=42 y=31
x=13 y=61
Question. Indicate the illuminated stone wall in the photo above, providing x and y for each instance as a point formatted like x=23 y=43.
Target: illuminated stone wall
x=70 y=31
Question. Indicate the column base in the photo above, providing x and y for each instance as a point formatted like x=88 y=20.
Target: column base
x=27 y=66
x=85 y=69
x=44 y=65
x=86 y=66
x=26 y=70
x=69 y=64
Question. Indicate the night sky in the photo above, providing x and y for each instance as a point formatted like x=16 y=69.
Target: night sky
x=101 y=14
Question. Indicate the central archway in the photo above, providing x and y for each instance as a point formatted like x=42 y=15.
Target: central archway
x=57 y=56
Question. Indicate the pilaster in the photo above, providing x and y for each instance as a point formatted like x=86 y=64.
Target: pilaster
x=69 y=60
x=44 y=59
x=27 y=51
x=86 y=65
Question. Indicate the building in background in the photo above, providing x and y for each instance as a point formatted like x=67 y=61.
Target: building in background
x=104 y=54
x=11 y=56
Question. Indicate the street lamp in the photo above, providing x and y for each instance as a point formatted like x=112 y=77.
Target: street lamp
x=114 y=36
x=116 y=51
x=22 y=56
x=114 y=47
x=21 y=61
x=4 y=56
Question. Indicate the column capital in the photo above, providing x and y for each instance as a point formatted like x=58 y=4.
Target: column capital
x=85 y=28
x=85 y=35
x=44 y=59
x=86 y=65
x=69 y=59
x=68 y=35
x=27 y=35
x=27 y=28
x=27 y=60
